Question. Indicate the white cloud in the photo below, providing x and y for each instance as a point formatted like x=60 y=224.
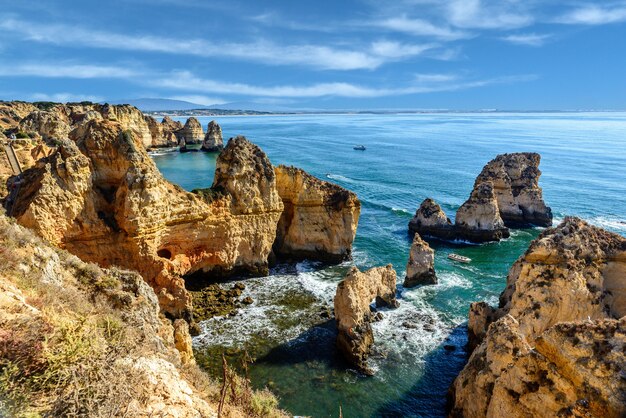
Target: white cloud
x=595 y=15
x=63 y=97
x=420 y=27
x=493 y=14
x=63 y=70
x=391 y=49
x=531 y=39
x=435 y=78
x=262 y=51
x=184 y=80
x=199 y=99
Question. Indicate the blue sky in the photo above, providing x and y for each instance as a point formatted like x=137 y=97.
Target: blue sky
x=417 y=54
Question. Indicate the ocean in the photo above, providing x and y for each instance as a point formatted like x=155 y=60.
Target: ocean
x=419 y=347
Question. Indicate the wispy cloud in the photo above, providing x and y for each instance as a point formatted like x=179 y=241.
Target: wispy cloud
x=185 y=80
x=66 y=70
x=530 y=39
x=595 y=15
x=261 y=51
x=420 y=27
x=488 y=14
x=63 y=97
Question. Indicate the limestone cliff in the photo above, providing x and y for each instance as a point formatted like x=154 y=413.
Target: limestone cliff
x=101 y=197
x=556 y=346
x=52 y=124
x=171 y=125
x=352 y=310
x=420 y=268
x=213 y=139
x=319 y=220
x=478 y=219
x=11 y=113
x=161 y=136
x=130 y=118
x=516 y=183
x=192 y=132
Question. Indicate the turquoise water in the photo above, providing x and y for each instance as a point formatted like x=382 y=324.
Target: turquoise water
x=408 y=158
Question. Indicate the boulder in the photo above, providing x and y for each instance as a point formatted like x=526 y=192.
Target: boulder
x=192 y=132
x=556 y=345
x=319 y=220
x=478 y=219
x=213 y=139
x=421 y=266
x=515 y=178
x=431 y=221
x=352 y=302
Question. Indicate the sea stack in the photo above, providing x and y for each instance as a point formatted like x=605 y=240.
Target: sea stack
x=431 y=221
x=421 y=266
x=319 y=220
x=515 y=179
x=213 y=139
x=192 y=132
x=161 y=137
x=478 y=219
x=556 y=346
x=352 y=311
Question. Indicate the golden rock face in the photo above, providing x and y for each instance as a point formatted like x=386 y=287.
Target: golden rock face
x=557 y=343
x=101 y=197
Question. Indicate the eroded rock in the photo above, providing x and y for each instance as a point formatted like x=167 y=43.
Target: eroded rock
x=420 y=268
x=192 y=132
x=319 y=220
x=352 y=310
x=478 y=219
x=213 y=139
x=431 y=221
x=556 y=346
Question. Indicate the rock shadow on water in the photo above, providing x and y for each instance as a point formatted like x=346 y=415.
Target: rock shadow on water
x=428 y=396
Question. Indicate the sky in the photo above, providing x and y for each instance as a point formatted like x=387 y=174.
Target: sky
x=322 y=54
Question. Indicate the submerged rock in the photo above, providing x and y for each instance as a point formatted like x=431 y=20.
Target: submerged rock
x=213 y=139
x=430 y=220
x=556 y=345
x=421 y=266
x=352 y=310
x=515 y=178
x=478 y=219
x=319 y=220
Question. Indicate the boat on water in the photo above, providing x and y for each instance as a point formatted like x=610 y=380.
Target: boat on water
x=360 y=147
x=459 y=258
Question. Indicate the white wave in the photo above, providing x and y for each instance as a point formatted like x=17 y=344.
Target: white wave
x=608 y=222
x=339 y=177
x=400 y=210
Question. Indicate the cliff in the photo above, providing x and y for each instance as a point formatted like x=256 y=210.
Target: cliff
x=319 y=220
x=192 y=132
x=11 y=113
x=161 y=135
x=101 y=197
x=352 y=310
x=516 y=183
x=556 y=345
x=79 y=340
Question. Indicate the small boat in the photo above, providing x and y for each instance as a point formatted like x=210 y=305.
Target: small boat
x=360 y=148
x=459 y=258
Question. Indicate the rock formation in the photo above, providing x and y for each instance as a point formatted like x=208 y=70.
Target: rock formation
x=102 y=198
x=171 y=125
x=556 y=346
x=421 y=266
x=213 y=139
x=161 y=137
x=319 y=220
x=52 y=124
x=478 y=219
x=516 y=184
x=11 y=113
x=192 y=132
x=352 y=310
x=431 y=221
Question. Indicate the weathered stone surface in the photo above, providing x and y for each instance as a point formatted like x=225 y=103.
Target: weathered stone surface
x=192 y=132
x=171 y=125
x=213 y=139
x=421 y=266
x=11 y=113
x=319 y=220
x=161 y=137
x=516 y=184
x=431 y=221
x=52 y=124
x=102 y=198
x=478 y=219
x=352 y=310
x=556 y=345
x=130 y=118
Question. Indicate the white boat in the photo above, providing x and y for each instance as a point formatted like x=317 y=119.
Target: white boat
x=459 y=258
